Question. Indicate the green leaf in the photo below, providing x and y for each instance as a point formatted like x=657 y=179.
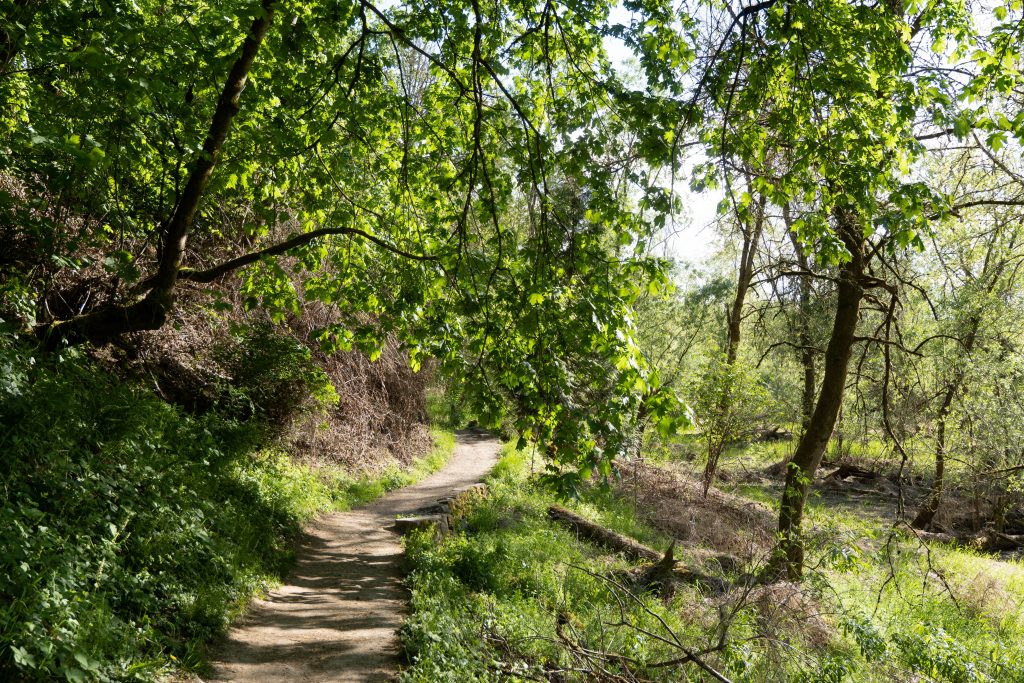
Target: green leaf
x=996 y=140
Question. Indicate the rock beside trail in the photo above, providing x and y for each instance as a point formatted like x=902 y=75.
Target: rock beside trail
x=443 y=513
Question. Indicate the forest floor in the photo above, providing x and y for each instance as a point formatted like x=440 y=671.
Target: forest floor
x=337 y=616
x=516 y=595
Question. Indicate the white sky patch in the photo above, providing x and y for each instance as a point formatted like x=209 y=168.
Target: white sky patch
x=690 y=236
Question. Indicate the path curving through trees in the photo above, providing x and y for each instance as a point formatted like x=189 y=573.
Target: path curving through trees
x=337 y=616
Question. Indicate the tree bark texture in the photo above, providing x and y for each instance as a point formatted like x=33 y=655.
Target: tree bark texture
x=801 y=470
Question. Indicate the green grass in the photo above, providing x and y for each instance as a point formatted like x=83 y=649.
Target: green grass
x=131 y=533
x=898 y=607
x=872 y=450
x=751 y=456
x=902 y=609
x=486 y=602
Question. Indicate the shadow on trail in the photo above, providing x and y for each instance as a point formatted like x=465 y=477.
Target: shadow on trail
x=337 y=616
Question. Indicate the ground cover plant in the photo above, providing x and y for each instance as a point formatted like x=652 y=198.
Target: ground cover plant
x=515 y=596
x=132 y=531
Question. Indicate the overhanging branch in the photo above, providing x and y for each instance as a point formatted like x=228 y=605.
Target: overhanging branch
x=211 y=274
x=956 y=208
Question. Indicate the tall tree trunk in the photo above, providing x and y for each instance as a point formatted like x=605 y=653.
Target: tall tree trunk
x=801 y=470
x=751 y=239
x=803 y=326
x=810 y=381
x=926 y=515
x=150 y=312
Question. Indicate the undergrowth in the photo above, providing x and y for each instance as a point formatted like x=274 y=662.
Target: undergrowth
x=937 y=613
x=500 y=600
x=514 y=596
x=131 y=532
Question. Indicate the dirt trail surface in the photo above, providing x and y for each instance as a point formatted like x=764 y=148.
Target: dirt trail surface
x=337 y=617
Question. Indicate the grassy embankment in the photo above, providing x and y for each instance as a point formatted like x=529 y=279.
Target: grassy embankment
x=131 y=532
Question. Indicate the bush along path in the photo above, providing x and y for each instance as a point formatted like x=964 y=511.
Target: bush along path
x=337 y=616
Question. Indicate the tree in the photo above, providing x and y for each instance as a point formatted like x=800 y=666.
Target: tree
x=828 y=89
x=805 y=344
x=730 y=404
x=671 y=329
x=382 y=151
x=390 y=154
x=750 y=219
x=979 y=256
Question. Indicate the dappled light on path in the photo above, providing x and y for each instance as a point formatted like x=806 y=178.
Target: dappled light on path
x=337 y=616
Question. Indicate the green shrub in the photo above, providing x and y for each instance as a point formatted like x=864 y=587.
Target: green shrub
x=129 y=532
x=272 y=376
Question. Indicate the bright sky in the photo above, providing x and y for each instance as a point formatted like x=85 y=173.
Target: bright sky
x=691 y=237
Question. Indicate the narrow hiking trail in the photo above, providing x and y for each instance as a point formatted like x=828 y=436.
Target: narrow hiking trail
x=337 y=616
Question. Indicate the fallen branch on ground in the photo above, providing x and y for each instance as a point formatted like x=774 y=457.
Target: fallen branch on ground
x=988 y=540
x=600 y=535
x=664 y=571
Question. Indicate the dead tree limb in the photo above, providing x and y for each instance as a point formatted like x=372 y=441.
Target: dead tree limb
x=987 y=540
x=663 y=571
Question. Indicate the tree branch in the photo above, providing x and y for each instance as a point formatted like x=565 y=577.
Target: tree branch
x=211 y=274
x=150 y=313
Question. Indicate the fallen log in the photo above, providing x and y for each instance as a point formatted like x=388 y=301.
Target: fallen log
x=988 y=540
x=405 y=525
x=996 y=541
x=773 y=434
x=662 y=572
x=938 y=537
x=845 y=471
x=600 y=535
x=442 y=515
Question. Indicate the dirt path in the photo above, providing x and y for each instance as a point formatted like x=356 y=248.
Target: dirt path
x=337 y=617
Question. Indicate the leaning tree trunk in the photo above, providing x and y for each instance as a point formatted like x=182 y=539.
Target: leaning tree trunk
x=751 y=238
x=789 y=559
x=810 y=380
x=150 y=312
